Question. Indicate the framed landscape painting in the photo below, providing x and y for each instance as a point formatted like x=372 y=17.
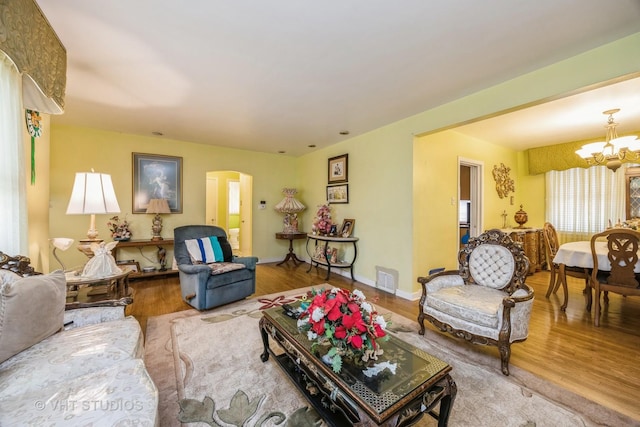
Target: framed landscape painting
x=156 y=177
x=338 y=193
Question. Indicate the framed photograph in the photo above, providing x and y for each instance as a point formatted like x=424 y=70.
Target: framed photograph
x=133 y=266
x=156 y=177
x=338 y=193
x=347 y=227
x=339 y=169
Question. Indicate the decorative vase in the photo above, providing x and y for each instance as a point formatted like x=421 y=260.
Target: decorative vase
x=521 y=217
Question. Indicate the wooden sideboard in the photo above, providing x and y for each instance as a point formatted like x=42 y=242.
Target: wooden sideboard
x=140 y=244
x=532 y=241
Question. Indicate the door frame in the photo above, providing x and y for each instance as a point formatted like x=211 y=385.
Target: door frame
x=476 y=194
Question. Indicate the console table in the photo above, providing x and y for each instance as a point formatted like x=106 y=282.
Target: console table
x=324 y=258
x=421 y=383
x=108 y=291
x=141 y=244
x=291 y=237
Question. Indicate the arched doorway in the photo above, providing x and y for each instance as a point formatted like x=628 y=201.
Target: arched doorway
x=229 y=206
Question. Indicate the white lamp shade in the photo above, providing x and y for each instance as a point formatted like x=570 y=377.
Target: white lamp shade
x=93 y=194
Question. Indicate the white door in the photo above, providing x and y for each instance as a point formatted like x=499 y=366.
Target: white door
x=211 y=207
x=246 y=210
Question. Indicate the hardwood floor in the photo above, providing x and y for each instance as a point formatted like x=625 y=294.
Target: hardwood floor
x=563 y=347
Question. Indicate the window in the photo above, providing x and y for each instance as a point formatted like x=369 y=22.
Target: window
x=13 y=189
x=581 y=202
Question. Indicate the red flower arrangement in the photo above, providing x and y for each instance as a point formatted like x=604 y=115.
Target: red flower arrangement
x=345 y=322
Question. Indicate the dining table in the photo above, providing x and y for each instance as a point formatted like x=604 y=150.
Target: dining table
x=577 y=255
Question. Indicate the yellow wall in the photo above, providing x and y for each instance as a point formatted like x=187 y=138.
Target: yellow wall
x=38 y=198
x=79 y=149
x=435 y=162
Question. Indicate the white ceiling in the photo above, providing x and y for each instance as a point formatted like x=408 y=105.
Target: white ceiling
x=281 y=75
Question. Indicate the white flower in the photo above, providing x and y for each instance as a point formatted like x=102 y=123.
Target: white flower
x=303 y=322
x=311 y=335
x=317 y=314
x=358 y=294
x=380 y=321
x=366 y=307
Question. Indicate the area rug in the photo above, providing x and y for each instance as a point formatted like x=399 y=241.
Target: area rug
x=208 y=371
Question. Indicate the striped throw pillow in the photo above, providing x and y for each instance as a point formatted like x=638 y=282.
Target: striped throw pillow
x=205 y=250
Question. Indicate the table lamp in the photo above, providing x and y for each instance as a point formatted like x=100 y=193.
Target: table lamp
x=290 y=207
x=62 y=243
x=157 y=207
x=92 y=194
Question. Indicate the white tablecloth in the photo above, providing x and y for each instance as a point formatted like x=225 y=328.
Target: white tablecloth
x=578 y=254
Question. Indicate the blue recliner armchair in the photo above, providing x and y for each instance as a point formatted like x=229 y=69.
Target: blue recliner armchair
x=205 y=286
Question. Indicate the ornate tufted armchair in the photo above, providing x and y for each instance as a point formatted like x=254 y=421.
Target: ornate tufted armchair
x=210 y=283
x=487 y=300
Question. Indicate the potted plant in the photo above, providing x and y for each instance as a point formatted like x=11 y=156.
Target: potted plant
x=119 y=228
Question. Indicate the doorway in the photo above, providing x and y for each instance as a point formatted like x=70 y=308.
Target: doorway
x=470 y=196
x=228 y=205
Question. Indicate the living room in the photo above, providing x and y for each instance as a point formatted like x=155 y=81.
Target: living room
x=408 y=150
x=402 y=176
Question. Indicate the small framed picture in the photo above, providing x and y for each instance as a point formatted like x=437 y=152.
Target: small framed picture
x=130 y=265
x=338 y=193
x=347 y=227
x=339 y=169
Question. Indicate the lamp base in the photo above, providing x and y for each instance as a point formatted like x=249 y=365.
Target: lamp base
x=84 y=246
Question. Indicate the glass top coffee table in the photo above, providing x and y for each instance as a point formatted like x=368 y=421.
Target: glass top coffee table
x=421 y=381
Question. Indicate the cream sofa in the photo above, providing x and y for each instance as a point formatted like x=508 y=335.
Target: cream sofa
x=89 y=372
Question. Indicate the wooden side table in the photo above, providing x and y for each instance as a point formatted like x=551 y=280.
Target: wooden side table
x=291 y=237
x=111 y=291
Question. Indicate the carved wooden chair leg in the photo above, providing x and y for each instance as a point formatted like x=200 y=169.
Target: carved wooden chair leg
x=421 y=323
x=505 y=354
x=553 y=281
x=596 y=315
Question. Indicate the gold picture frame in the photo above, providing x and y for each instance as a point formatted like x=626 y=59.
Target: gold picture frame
x=156 y=176
x=338 y=169
x=346 y=230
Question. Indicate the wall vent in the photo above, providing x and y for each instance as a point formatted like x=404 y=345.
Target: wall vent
x=386 y=279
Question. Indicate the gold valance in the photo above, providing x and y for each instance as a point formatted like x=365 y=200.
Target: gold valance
x=558 y=157
x=29 y=41
x=555 y=157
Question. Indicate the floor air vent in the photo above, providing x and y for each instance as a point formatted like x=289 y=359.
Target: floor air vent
x=386 y=279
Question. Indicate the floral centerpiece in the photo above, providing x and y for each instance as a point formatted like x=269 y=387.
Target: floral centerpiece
x=346 y=323
x=322 y=221
x=119 y=228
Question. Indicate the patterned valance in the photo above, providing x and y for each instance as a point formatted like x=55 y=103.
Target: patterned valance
x=27 y=38
x=555 y=157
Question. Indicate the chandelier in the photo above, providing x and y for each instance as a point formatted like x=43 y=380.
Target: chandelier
x=614 y=149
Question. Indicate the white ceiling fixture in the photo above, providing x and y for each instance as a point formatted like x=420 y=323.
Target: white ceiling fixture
x=614 y=149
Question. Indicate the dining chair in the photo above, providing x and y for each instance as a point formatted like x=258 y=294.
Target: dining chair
x=559 y=272
x=622 y=254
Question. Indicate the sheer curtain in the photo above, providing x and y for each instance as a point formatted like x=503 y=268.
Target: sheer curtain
x=13 y=189
x=581 y=202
